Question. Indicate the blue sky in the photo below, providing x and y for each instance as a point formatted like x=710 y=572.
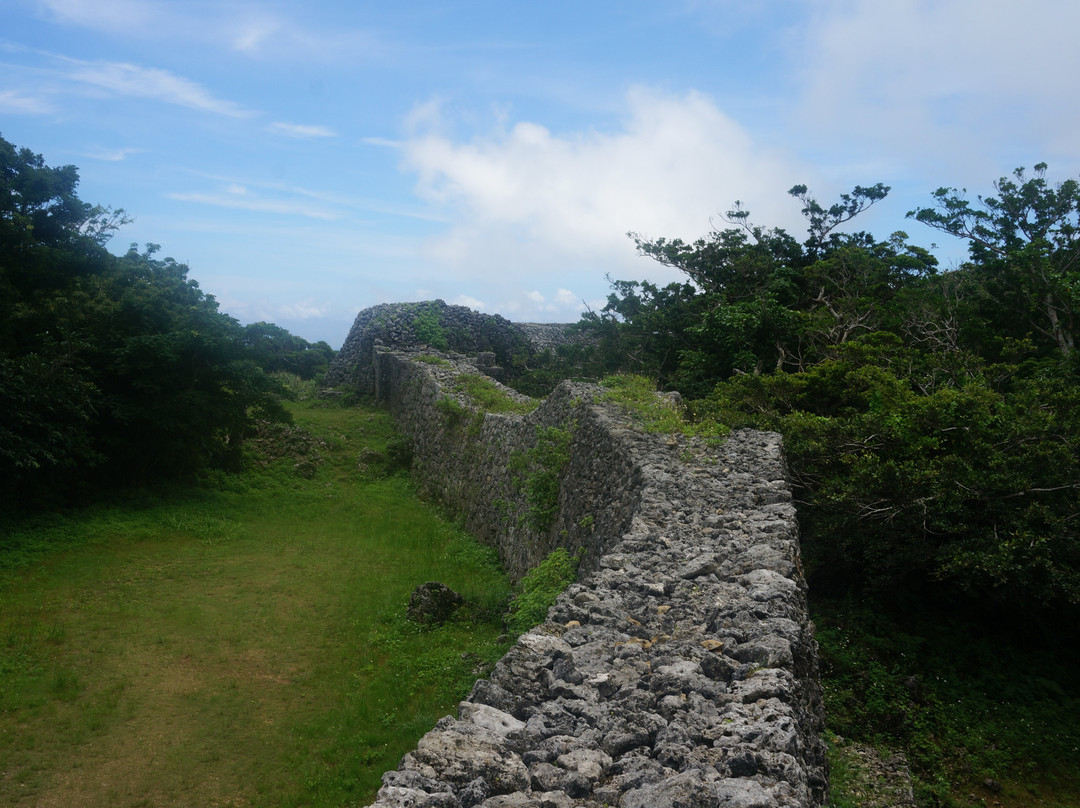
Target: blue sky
x=307 y=160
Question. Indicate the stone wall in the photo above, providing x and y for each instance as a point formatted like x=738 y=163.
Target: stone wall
x=441 y=326
x=681 y=669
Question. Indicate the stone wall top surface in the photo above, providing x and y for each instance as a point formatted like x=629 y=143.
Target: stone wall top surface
x=680 y=670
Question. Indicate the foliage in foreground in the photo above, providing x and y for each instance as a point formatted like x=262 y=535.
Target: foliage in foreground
x=969 y=486
x=970 y=698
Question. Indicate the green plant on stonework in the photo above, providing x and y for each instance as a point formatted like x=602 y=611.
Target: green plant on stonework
x=538 y=474
x=504 y=509
x=539 y=589
x=427 y=328
x=456 y=413
x=489 y=396
x=428 y=359
x=656 y=412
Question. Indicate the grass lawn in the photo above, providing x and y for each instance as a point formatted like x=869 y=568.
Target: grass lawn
x=239 y=644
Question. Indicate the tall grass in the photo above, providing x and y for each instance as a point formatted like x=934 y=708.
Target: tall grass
x=239 y=643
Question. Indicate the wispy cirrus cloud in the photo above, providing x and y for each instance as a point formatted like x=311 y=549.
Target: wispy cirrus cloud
x=240 y=197
x=111 y=155
x=256 y=30
x=302 y=131
x=262 y=33
x=231 y=191
x=18 y=103
x=105 y=15
x=136 y=81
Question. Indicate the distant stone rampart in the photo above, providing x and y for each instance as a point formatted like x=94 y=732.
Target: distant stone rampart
x=681 y=668
x=499 y=344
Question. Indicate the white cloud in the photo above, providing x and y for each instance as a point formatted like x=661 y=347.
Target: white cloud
x=239 y=197
x=251 y=35
x=259 y=33
x=149 y=82
x=16 y=103
x=303 y=311
x=471 y=302
x=253 y=29
x=562 y=306
x=107 y=15
x=525 y=200
x=302 y=131
x=566 y=298
x=960 y=83
x=112 y=155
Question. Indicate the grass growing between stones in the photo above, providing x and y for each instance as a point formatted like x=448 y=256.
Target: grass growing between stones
x=490 y=397
x=659 y=413
x=243 y=643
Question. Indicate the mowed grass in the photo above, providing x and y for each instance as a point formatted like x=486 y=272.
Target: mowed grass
x=242 y=644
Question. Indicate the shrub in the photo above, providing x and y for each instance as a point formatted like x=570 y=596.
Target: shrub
x=539 y=589
x=655 y=412
x=489 y=396
x=538 y=473
x=428 y=329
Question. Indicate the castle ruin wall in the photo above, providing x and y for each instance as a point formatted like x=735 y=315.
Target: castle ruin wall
x=681 y=668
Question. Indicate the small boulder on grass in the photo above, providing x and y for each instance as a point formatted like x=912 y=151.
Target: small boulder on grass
x=433 y=603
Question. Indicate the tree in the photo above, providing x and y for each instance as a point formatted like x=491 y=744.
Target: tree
x=180 y=388
x=111 y=369
x=761 y=301
x=1025 y=244
x=968 y=486
x=278 y=350
x=821 y=222
x=931 y=443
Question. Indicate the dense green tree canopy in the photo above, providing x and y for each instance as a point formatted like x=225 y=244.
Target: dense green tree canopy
x=111 y=368
x=1025 y=253
x=930 y=418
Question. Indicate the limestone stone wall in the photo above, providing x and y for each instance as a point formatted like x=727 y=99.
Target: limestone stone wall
x=681 y=668
x=500 y=343
x=464 y=461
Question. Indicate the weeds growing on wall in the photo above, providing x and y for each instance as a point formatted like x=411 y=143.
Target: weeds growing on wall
x=538 y=474
x=456 y=413
x=428 y=330
x=656 y=412
x=539 y=589
x=489 y=396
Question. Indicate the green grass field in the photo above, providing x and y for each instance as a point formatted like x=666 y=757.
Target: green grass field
x=243 y=643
